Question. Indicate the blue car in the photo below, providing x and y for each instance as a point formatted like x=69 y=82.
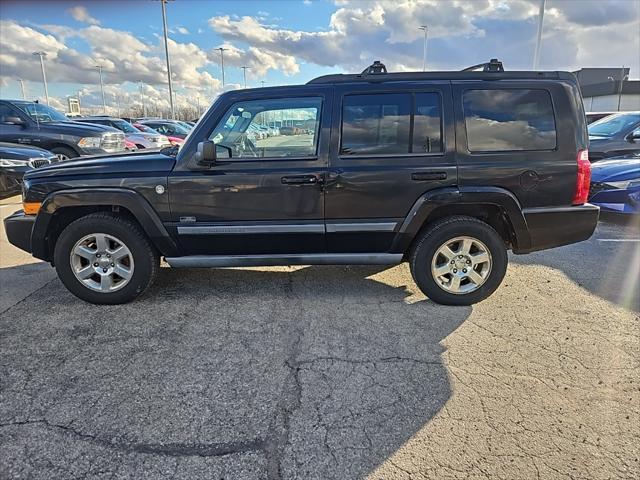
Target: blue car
x=615 y=184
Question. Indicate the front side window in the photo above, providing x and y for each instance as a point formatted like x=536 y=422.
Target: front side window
x=41 y=113
x=391 y=123
x=613 y=125
x=273 y=128
x=508 y=120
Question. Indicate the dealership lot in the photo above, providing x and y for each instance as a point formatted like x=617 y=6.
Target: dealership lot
x=326 y=372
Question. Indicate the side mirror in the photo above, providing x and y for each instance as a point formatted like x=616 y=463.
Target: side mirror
x=206 y=153
x=13 y=121
x=635 y=135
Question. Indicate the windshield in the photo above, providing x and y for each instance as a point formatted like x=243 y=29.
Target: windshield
x=42 y=113
x=610 y=126
x=126 y=127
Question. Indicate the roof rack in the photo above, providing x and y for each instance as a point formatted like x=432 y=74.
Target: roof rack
x=493 y=65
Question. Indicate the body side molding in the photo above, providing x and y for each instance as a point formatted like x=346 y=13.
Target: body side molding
x=281 y=260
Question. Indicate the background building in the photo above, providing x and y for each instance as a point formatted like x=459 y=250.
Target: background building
x=602 y=92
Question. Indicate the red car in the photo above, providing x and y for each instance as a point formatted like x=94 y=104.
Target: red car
x=147 y=129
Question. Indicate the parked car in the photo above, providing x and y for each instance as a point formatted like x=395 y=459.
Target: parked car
x=15 y=160
x=615 y=184
x=139 y=139
x=33 y=123
x=172 y=140
x=167 y=127
x=615 y=135
x=445 y=170
x=594 y=116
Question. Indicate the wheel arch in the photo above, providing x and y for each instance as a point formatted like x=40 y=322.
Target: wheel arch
x=57 y=143
x=64 y=206
x=494 y=205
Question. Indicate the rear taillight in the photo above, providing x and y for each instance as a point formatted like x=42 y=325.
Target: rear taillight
x=584 y=178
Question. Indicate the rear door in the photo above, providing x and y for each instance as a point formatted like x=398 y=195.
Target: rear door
x=391 y=144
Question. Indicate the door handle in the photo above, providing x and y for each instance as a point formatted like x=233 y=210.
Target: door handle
x=428 y=176
x=300 y=180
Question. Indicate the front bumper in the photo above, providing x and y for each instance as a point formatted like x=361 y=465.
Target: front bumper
x=554 y=227
x=19 y=227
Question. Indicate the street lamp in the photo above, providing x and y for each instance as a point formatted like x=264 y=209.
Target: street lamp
x=166 y=51
x=244 y=74
x=44 y=76
x=144 y=105
x=424 y=48
x=104 y=103
x=623 y=77
x=222 y=62
x=262 y=82
x=24 y=96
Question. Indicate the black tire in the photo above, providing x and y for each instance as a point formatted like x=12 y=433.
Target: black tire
x=64 y=151
x=145 y=257
x=434 y=236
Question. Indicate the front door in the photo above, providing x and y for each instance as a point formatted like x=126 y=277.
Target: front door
x=395 y=144
x=264 y=195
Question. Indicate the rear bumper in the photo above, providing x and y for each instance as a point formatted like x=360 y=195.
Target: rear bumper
x=19 y=227
x=554 y=227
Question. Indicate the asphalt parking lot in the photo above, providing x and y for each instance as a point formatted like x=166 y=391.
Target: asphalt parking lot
x=327 y=373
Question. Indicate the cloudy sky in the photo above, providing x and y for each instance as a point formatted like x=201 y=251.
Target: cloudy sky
x=288 y=42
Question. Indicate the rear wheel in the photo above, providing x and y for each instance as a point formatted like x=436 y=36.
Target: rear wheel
x=459 y=261
x=64 y=153
x=105 y=259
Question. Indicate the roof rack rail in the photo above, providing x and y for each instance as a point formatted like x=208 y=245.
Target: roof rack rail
x=493 y=65
x=376 y=68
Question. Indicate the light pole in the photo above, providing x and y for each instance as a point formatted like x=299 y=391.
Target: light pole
x=117 y=99
x=623 y=77
x=536 y=53
x=166 y=50
x=244 y=74
x=424 y=48
x=144 y=105
x=262 y=82
x=79 y=107
x=104 y=103
x=24 y=95
x=44 y=76
x=222 y=62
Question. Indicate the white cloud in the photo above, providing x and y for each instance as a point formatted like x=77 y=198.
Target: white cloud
x=182 y=30
x=81 y=14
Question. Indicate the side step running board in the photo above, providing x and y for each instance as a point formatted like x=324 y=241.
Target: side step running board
x=281 y=260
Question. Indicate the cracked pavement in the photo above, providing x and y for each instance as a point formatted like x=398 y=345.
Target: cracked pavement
x=326 y=373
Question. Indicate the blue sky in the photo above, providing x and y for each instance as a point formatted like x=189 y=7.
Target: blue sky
x=286 y=42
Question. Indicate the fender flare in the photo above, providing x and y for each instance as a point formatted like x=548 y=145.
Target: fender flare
x=475 y=195
x=83 y=197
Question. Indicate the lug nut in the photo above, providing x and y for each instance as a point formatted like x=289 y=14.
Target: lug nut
x=468 y=262
x=459 y=256
x=455 y=270
x=95 y=264
x=97 y=255
x=113 y=264
x=452 y=262
x=104 y=270
x=464 y=270
x=108 y=256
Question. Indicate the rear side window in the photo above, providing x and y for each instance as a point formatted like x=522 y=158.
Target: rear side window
x=508 y=120
x=391 y=123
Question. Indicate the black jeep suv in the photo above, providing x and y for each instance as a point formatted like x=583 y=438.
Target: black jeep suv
x=444 y=170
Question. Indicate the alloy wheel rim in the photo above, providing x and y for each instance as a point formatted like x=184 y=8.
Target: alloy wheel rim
x=102 y=262
x=461 y=265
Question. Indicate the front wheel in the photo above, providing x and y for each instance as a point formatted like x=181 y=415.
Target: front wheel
x=458 y=261
x=63 y=153
x=105 y=259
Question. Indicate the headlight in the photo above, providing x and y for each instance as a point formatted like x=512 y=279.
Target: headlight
x=89 y=142
x=623 y=185
x=9 y=162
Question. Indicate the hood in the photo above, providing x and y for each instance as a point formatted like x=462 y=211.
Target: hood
x=122 y=163
x=14 y=151
x=616 y=170
x=80 y=129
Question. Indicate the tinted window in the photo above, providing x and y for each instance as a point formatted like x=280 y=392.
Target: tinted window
x=6 y=112
x=381 y=124
x=502 y=120
x=613 y=125
x=270 y=128
x=376 y=124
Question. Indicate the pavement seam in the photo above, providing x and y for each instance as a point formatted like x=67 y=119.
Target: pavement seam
x=28 y=296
